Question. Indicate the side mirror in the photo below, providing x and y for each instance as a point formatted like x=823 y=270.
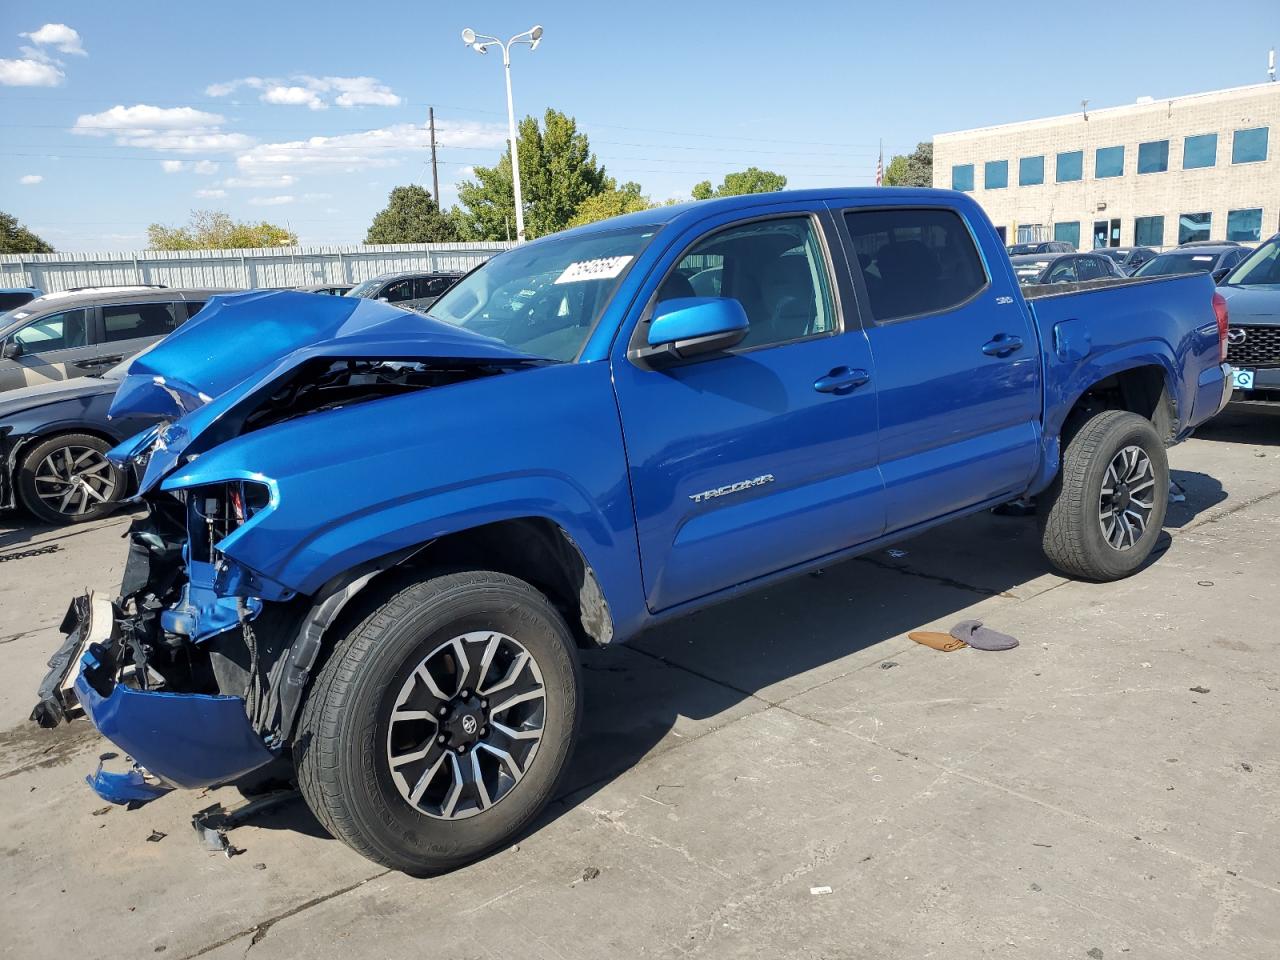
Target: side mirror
x=691 y=326
x=383 y=300
x=11 y=350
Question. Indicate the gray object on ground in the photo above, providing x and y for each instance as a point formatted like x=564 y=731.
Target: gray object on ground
x=979 y=637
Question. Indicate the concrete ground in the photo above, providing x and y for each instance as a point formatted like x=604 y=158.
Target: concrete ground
x=786 y=775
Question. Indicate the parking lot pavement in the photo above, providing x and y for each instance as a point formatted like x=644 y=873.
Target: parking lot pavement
x=783 y=775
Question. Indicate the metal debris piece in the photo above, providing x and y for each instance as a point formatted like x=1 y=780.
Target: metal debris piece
x=590 y=873
x=1199 y=689
x=819 y=891
x=888 y=664
x=212 y=823
x=156 y=836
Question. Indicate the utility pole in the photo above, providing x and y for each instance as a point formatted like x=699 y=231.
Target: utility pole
x=435 y=173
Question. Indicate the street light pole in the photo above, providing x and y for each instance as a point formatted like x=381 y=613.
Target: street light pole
x=481 y=44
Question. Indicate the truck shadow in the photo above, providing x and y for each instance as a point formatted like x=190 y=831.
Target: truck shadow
x=688 y=677
x=1259 y=426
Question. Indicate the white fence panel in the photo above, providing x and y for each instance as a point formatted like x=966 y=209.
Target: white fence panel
x=238 y=269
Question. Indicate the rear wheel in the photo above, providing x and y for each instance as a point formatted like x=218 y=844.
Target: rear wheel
x=441 y=724
x=68 y=479
x=1105 y=510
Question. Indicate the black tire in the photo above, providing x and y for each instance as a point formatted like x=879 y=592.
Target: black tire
x=342 y=747
x=1071 y=527
x=108 y=480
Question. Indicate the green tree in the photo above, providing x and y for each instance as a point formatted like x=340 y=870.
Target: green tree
x=558 y=172
x=412 y=216
x=215 y=230
x=912 y=170
x=750 y=180
x=15 y=238
x=612 y=203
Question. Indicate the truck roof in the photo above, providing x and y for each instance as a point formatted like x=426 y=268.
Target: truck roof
x=662 y=216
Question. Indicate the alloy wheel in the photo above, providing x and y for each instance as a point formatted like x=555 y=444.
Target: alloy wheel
x=1126 y=500
x=74 y=479
x=465 y=725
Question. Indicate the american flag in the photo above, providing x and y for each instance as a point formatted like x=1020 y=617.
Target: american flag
x=880 y=168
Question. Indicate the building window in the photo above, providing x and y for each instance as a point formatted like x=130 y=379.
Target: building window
x=995 y=175
x=1108 y=162
x=1249 y=146
x=1030 y=171
x=1194 y=226
x=962 y=177
x=1068 y=232
x=1070 y=166
x=1244 y=225
x=1201 y=151
x=1106 y=233
x=1148 y=232
x=1153 y=157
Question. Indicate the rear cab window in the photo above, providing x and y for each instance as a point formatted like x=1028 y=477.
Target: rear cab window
x=914 y=261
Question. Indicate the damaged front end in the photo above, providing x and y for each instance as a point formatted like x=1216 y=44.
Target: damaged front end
x=172 y=672
x=198 y=669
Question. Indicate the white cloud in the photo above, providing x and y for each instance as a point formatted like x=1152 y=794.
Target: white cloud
x=211 y=194
x=31 y=179
x=317 y=196
x=29 y=73
x=180 y=129
x=260 y=183
x=362 y=91
x=315 y=93
x=205 y=167
x=271 y=201
x=59 y=36
x=294 y=97
x=371 y=148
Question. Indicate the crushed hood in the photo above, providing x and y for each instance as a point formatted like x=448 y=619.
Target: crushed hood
x=231 y=353
x=236 y=336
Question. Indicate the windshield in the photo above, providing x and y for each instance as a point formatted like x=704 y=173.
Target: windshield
x=365 y=289
x=1018 y=249
x=1262 y=267
x=543 y=299
x=1171 y=263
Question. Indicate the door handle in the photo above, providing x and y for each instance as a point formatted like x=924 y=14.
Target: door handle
x=841 y=380
x=1001 y=345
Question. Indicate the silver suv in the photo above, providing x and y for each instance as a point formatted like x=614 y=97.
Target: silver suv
x=62 y=336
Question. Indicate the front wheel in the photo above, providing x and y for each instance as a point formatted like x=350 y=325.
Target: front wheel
x=1103 y=513
x=441 y=724
x=68 y=479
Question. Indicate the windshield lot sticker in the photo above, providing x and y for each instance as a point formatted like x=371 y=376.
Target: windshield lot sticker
x=602 y=268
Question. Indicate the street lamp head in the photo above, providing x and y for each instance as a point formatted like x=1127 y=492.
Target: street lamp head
x=479 y=48
x=536 y=35
x=469 y=37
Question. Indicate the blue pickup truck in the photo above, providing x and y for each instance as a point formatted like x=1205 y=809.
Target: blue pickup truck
x=376 y=540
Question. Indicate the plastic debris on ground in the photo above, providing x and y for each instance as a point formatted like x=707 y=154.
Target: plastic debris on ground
x=132 y=787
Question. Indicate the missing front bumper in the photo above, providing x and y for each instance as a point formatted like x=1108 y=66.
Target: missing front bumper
x=186 y=739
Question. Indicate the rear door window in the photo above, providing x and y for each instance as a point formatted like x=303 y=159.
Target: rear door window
x=135 y=320
x=399 y=291
x=1064 y=271
x=1087 y=268
x=58 y=331
x=914 y=261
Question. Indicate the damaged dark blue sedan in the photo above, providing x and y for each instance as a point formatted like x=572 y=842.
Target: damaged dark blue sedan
x=376 y=540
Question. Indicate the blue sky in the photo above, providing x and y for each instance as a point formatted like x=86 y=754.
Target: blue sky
x=309 y=113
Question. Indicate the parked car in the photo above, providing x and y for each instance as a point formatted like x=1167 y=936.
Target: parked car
x=1064 y=268
x=331 y=289
x=53 y=443
x=62 y=336
x=385 y=537
x=1252 y=291
x=414 y=291
x=13 y=297
x=1209 y=243
x=1216 y=259
x=1039 y=246
x=1128 y=259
